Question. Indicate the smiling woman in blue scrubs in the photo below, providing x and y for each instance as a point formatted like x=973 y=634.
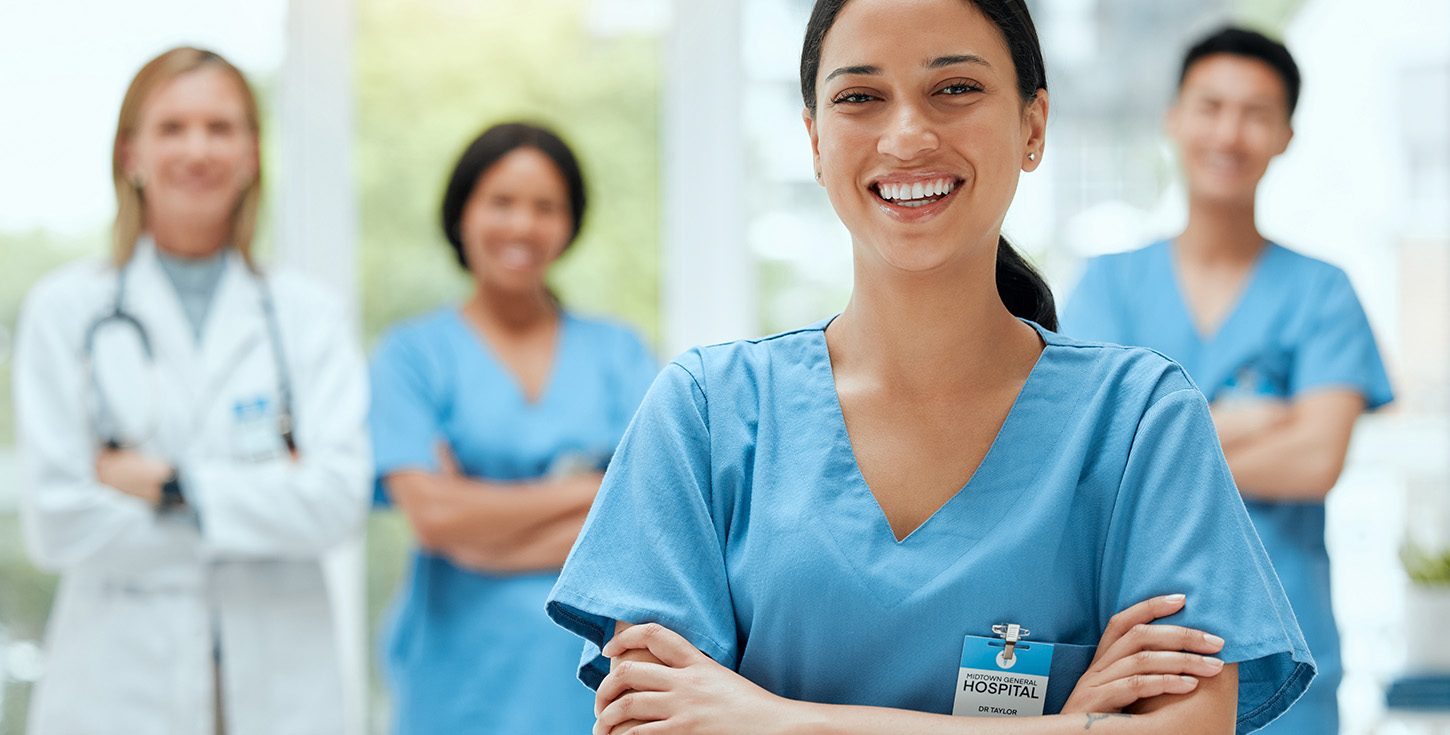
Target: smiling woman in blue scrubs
x=1277 y=340
x=811 y=532
x=491 y=424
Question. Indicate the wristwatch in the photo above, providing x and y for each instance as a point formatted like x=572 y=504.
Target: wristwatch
x=171 y=495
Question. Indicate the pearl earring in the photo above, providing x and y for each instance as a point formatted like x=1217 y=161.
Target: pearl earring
x=1032 y=156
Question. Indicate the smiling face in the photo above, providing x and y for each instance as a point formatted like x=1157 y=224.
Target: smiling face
x=193 y=149
x=1230 y=120
x=920 y=133
x=516 y=222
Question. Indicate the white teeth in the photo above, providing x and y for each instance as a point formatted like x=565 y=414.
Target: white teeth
x=516 y=256
x=907 y=194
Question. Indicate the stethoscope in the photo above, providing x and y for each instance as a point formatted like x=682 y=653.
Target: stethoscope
x=102 y=419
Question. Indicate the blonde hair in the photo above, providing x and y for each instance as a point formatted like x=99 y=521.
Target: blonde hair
x=130 y=204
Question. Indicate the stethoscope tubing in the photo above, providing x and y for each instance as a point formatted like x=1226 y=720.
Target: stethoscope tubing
x=102 y=420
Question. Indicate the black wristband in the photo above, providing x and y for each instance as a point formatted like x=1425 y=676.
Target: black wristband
x=171 y=495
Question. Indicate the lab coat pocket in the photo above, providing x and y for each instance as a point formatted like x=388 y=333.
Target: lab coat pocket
x=1069 y=663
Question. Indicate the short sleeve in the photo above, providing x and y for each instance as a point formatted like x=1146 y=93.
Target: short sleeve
x=1091 y=313
x=650 y=551
x=1180 y=526
x=1339 y=349
x=406 y=415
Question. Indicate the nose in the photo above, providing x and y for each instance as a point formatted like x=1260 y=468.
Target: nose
x=1228 y=129
x=521 y=220
x=197 y=142
x=908 y=133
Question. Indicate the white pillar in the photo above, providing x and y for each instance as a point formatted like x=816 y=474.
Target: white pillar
x=316 y=216
x=316 y=206
x=709 y=288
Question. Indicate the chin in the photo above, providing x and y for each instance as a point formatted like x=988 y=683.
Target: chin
x=1224 y=192
x=519 y=285
x=925 y=258
x=198 y=210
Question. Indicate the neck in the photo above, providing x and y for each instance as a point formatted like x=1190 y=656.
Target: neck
x=1220 y=231
x=188 y=239
x=928 y=333
x=510 y=312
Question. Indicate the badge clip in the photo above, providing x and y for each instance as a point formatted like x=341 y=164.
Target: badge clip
x=1013 y=634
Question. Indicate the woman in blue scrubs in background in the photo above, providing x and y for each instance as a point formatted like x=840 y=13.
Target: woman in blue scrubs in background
x=492 y=423
x=1277 y=340
x=800 y=533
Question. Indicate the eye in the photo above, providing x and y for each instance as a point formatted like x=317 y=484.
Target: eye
x=1258 y=114
x=170 y=127
x=960 y=87
x=852 y=97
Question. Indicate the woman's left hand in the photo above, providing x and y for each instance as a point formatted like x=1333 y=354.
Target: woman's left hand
x=132 y=473
x=687 y=693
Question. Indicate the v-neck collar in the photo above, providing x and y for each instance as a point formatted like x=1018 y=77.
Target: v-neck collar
x=1247 y=290
x=476 y=337
x=895 y=569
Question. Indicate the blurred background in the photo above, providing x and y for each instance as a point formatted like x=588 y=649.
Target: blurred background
x=705 y=223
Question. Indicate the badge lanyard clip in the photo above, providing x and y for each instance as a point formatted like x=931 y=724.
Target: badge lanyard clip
x=1013 y=634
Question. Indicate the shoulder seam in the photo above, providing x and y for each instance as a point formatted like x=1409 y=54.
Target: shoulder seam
x=766 y=338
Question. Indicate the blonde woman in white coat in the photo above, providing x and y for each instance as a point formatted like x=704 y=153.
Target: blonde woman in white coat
x=193 y=440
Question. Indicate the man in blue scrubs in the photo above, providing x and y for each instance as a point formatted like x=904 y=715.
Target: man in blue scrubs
x=1277 y=341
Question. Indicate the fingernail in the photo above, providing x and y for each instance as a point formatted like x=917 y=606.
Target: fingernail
x=1215 y=663
x=1212 y=639
x=1188 y=680
x=1175 y=599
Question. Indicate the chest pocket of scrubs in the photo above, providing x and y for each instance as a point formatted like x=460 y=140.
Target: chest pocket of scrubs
x=256 y=435
x=1264 y=375
x=1069 y=663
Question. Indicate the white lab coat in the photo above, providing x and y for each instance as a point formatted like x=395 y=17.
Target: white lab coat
x=130 y=638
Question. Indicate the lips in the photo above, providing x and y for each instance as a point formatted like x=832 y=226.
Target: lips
x=914 y=192
x=517 y=257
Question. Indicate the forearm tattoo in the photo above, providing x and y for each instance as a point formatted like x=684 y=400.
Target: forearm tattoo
x=1099 y=718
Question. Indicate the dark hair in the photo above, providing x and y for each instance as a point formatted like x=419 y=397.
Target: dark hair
x=1021 y=287
x=1250 y=45
x=487 y=149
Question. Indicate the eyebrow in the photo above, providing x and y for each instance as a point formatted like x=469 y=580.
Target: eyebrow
x=937 y=63
x=863 y=70
x=944 y=61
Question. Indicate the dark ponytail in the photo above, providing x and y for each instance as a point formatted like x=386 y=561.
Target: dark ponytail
x=1022 y=289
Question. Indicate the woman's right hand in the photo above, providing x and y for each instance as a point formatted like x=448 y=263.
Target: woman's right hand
x=1136 y=660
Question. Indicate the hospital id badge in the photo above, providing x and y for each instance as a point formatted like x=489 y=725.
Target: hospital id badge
x=1002 y=677
x=254 y=429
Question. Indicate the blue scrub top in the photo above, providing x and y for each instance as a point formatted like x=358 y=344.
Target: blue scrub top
x=735 y=514
x=1297 y=328
x=470 y=652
